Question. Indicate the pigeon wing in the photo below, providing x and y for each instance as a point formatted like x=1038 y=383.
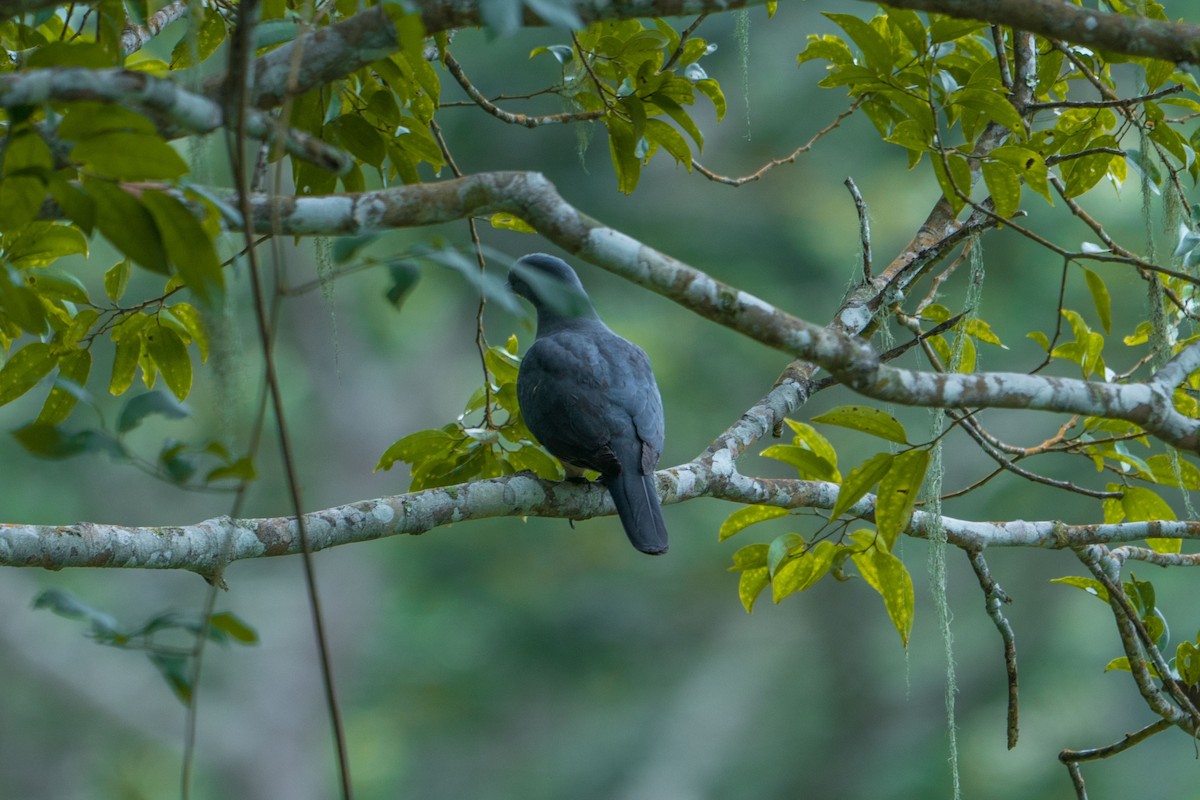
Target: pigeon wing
x=563 y=389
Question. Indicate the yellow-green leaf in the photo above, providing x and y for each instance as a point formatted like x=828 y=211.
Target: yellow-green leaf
x=1090 y=585
x=23 y=371
x=868 y=420
x=860 y=480
x=1004 y=185
x=802 y=571
x=808 y=464
x=898 y=491
x=170 y=355
x=750 y=586
x=511 y=222
x=1100 y=298
x=74 y=367
x=116 y=279
x=743 y=518
x=886 y=574
x=1143 y=505
x=811 y=438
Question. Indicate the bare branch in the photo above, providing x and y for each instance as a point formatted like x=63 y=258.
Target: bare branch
x=995 y=598
x=507 y=116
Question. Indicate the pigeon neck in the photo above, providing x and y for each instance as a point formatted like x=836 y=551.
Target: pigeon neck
x=550 y=321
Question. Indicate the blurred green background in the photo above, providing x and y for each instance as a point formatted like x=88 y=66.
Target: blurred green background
x=511 y=659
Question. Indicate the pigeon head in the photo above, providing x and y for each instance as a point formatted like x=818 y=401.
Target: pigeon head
x=552 y=286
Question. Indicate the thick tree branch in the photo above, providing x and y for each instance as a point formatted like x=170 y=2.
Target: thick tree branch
x=337 y=50
x=531 y=197
x=207 y=547
x=1054 y=19
x=173 y=106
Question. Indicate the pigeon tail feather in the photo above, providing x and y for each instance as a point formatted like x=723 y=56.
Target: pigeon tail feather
x=638 y=507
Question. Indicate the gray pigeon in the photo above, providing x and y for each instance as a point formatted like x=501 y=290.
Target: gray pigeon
x=589 y=396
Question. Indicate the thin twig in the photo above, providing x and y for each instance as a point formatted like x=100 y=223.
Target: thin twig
x=511 y=118
x=683 y=37
x=1127 y=741
x=994 y=600
x=480 y=337
x=1121 y=102
x=789 y=159
x=241 y=53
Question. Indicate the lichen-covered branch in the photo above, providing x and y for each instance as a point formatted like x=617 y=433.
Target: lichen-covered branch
x=1128 y=35
x=134 y=37
x=334 y=51
x=206 y=547
x=162 y=99
x=531 y=197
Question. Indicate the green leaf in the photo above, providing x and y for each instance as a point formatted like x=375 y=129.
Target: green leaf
x=42 y=243
x=860 y=480
x=188 y=245
x=130 y=156
x=360 y=137
x=20 y=200
x=956 y=183
x=67 y=605
x=176 y=671
x=743 y=518
x=804 y=570
x=1100 y=298
x=170 y=355
x=73 y=367
x=203 y=38
x=1090 y=585
x=50 y=441
x=21 y=304
x=671 y=140
x=1004 y=185
x=143 y=405
x=1122 y=665
x=240 y=470
x=622 y=147
x=193 y=323
x=712 y=90
x=992 y=105
x=126 y=223
x=1187 y=663
x=1081 y=174
x=677 y=113
x=875 y=49
x=415 y=447
x=886 y=574
x=868 y=420
x=24 y=370
x=51 y=283
x=897 y=496
x=782 y=547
